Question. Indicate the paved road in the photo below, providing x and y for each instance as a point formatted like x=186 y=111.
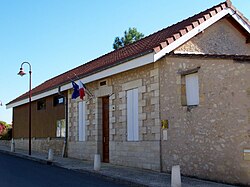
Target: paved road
x=18 y=172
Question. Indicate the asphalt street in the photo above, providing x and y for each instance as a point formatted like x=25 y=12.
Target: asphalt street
x=19 y=172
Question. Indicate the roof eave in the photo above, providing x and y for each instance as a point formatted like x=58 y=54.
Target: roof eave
x=125 y=65
x=177 y=43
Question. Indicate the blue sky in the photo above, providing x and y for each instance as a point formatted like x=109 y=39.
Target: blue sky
x=58 y=35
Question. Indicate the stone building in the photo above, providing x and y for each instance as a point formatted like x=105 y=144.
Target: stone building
x=178 y=96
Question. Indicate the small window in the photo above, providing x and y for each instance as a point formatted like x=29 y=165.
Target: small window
x=41 y=105
x=103 y=83
x=60 y=128
x=190 y=90
x=58 y=100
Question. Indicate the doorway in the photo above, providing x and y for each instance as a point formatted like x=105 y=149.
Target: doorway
x=105 y=128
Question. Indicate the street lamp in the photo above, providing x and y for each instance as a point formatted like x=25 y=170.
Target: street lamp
x=21 y=73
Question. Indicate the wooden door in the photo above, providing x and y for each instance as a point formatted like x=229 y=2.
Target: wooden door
x=105 y=128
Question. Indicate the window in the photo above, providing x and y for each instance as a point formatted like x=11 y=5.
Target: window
x=132 y=115
x=41 y=105
x=81 y=121
x=58 y=100
x=103 y=83
x=60 y=128
x=190 y=92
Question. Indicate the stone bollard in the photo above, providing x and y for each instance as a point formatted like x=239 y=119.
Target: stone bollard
x=97 y=162
x=176 y=176
x=50 y=155
x=12 y=145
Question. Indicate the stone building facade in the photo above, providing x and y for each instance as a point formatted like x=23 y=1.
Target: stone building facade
x=143 y=153
x=178 y=96
x=207 y=140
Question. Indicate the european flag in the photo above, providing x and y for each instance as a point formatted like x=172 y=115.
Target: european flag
x=75 y=93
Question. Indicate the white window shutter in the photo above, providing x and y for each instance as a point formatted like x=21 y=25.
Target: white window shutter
x=132 y=115
x=135 y=113
x=130 y=134
x=192 y=89
x=81 y=120
x=84 y=120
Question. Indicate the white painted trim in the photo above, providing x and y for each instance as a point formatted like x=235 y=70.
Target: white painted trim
x=239 y=20
x=135 y=63
x=36 y=97
x=246 y=150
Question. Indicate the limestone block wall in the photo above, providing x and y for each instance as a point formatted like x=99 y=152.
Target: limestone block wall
x=220 y=38
x=41 y=144
x=83 y=149
x=143 y=153
x=208 y=141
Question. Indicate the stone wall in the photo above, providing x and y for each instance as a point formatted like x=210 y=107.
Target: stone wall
x=82 y=150
x=5 y=142
x=143 y=153
x=208 y=140
x=220 y=38
x=146 y=152
x=41 y=144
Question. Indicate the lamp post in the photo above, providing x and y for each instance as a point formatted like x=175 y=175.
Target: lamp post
x=21 y=73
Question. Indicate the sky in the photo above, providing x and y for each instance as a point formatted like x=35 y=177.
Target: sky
x=55 y=36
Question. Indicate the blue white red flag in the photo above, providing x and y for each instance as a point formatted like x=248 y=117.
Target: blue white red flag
x=81 y=89
x=75 y=93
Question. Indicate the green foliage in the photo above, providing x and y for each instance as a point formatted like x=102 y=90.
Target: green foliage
x=5 y=131
x=130 y=36
x=3 y=122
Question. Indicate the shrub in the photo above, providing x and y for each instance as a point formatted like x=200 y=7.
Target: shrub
x=5 y=131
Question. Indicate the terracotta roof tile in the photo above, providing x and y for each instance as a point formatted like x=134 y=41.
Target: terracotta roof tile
x=154 y=42
x=183 y=31
x=163 y=44
x=207 y=16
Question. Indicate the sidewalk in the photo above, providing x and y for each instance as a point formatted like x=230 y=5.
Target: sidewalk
x=128 y=175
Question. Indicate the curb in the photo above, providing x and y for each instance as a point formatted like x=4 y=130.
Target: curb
x=88 y=172
x=98 y=174
x=20 y=155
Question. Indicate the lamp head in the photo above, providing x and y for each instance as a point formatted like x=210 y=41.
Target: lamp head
x=21 y=72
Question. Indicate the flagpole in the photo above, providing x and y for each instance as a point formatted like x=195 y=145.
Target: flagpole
x=85 y=87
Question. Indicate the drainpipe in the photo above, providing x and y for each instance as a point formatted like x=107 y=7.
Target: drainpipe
x=161 y=149
x=65 y=142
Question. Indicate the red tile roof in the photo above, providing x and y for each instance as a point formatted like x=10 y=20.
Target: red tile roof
x=154 y=42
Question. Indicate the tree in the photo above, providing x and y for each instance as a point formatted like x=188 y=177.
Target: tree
x=5 y=131
x=130 y=36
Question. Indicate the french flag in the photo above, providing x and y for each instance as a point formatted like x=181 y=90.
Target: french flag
x=75 y=93
x=81 y=89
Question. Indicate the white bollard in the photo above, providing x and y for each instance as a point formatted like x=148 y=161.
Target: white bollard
x=176 y=176
x=97 y=162
x=50 y=155
x=12 y=145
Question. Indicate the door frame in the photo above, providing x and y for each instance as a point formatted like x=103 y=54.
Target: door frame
x=105 y=131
